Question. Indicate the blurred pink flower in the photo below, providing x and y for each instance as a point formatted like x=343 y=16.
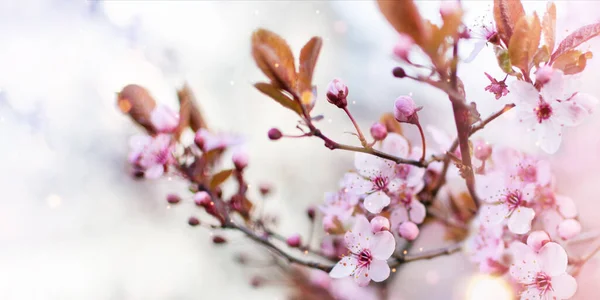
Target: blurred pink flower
x=375 y=178
x=164 y=119
x=547 y=111
x=498 y=88
x=151 y=154
x=542 y=274
x=339 y=205
x=485 y=247
x=208 y=141
x=403 y=46
x=368 y=254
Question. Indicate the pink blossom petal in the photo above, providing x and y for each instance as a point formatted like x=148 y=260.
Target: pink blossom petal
x=523 y=93
x=549 y=136
x=358 y=238
x=361 y=276
x=531 y=293
x=154 y=172
x=376 y=201
x=537 y=239
x=551 y=219
x=379 y=270
x=356 y=184
x=382 y=245
x=555 y=88
x=566 y=206
x=524 y=266
x=520 y=220
x=544 y=172
x=417 y=211
x=489 y=186
x=398 y=216
x=344 y=267
x=368 y=165
x=494 y=214
x=164 y=119
x=553 y=259
x=586 y=101
x=569 y=228
x=395 y=144
x=564 y=286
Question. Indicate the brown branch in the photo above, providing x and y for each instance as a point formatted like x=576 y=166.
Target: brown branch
x=404 y=258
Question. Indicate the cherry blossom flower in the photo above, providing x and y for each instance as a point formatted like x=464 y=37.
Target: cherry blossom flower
x=208 y=141
x=164 y=119
x=409 y=209
x=546 y=112
x=486 y=247
x=542 y=274
x=368 y=254
x=151 y=154
x=522 y=167
x=338 y=206
x=498 y=88
x=506 y=201
x=482 y=35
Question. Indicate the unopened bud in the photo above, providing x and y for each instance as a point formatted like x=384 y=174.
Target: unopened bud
x=240 y=160
x=378 y=131
x=173 y=199
x=403 y=46
x=202 y=198
x=399 y=72
x=264 y=188
x=217 y=239
x=310 y=212
x=408 y=230
x=449 y=8
x=537 y=239
x=294 y=240
x=274 y=134
x=380 y=223
x=193 y=221
x=482 y=150
x=337 y=92
x=164 y=119
x=405 y=110
x=257 y=281
x=544 y=74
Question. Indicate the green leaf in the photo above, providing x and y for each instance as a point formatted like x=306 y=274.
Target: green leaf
x=503 y=60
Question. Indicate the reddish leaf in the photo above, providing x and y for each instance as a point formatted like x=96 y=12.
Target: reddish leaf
x=189 y=113
x=136 y=101
x=549 y=26
x=506 y=14
x=572 y=61
x=576 y=38
x=524 y=42
x=308 y=59
x=219 y=178
x=405 y=18
x=277 y=95
x=390 y=123
x=274 y=57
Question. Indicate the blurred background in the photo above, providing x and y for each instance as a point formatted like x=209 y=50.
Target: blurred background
x=75 y=225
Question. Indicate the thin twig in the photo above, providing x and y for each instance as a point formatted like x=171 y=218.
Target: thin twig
x=404 y=258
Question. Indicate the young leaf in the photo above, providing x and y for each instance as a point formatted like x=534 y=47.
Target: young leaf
x=219 y=178
x=503 y=60
x=404 y=16
x=541 y=56
x=308 y=59
x=390 y=123
x=549 y=26
x=524 y=42
x=277 y=95
x=274 y=57
x=576 y=38
x=506 y=14
x=189 y=113
x=572 y=61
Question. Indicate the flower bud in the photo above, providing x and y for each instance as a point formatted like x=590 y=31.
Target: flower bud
x=240 y=160
x=405 y=110
x=217 y=239
x=193 y=221
x=403 y=46
x=293 y=240
x=337 y=92
x=274 y=134
x=482 y=150
x=164 y=119
x=264 y=188
x=569 y=228
x=257 y=281
x=199 y=139
x=449 y=8
x=310 y=212
x=544 y=74
x=408 y=230
x=202 y=198
x=380 y=223
x=173 y=199
x=537 y=239
x=399 y=72
x=378 y=131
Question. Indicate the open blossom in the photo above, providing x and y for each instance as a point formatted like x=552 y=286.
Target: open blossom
x=522 y=167
x=486 y=247
x=498 y=88
x=151 y=154
x=542 y=274
x=546 y=112
x=338 y=206
x=506 y=201
x=368 y=255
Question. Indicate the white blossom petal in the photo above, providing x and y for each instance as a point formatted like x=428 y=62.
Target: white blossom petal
x=417 y=211
x=357 y=184
x=154 y=172
x=379 y=270
x=549 y=136
x=523 y=93
x=520 y=220
x=376 y=201
x=382 y=245
x=344 y=267
x=494 y=214
x=564 y=286
x=555 y=88
x=566 y=206
x=553 y=259
x=361 y=276
x=394 y=144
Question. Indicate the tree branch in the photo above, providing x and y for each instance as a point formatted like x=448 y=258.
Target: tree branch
x=400 y=259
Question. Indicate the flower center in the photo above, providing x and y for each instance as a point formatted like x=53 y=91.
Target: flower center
x=543 y=282
x=364 y=258
x=527 y=173
x=543 y=111
x=405 y=198
x=514 y=199
x=380 y=183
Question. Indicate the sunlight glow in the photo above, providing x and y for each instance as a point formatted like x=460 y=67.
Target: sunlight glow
x=485 y=287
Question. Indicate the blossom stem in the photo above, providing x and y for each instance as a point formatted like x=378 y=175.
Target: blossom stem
x=361 y=137
x=423 y=143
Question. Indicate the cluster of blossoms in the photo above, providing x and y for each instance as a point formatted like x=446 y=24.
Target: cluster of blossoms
x=512 y=221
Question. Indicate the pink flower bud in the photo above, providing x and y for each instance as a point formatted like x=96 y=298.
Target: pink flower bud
x=380 y=223
x=202 y=198
x=399 y=72
x=449 y=8
x=164 y=119
x=240 y=159
x=537 y=239
x=405 y=110
x=403 y=46
x=310 y=212
x=408 y=230
x=378 y=131
x=217 y=239
x=569 y=228
x=274 y=134
x=199 y=139
x=544 y=74
x=337 y=92
x=264 y=188
x=293 y=240
x=173 y=199
x=193 y=221
x=482 y=150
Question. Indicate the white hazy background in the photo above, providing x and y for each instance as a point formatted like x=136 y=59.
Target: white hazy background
x=74 y=225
